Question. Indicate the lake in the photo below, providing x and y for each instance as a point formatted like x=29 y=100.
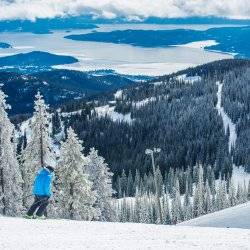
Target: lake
x=125 y=59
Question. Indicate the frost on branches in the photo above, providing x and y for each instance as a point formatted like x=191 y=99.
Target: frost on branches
x=10 y=175
x=74 y=198
x=39 y=146
x=102 y=183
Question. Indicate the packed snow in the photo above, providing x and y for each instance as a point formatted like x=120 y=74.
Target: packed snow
x=144 y=102
x=110 y=112
x=69 y=114
x=233 y=217
x=118 y=94
x=17 y=233
x=188 y=79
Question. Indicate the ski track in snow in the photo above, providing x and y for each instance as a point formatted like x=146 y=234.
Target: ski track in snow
x=17 y=233
x=227 y=122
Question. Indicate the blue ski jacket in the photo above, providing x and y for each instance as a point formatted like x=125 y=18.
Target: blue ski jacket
x=42 y=184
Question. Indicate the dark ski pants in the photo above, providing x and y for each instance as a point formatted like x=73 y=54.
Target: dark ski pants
x=39 y=205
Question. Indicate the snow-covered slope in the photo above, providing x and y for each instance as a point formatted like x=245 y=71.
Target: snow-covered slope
x=16 y=233
x=234 y=217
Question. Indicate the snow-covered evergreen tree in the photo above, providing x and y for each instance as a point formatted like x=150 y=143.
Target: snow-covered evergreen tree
x=221 y=196
x=101 y=177
x=207 y=199
x=245 y=192
x=10 y=174
x=187 y=205
x=137 y=207
x=137 y=181
x=118 y=187
x=144 y=210
x=39 y=146
x=159 y=180
x=165 y=210
x=248 y=191
x=232 y=194
x=177 y=213
x=189 y=182
x=199 y=194
x=74 y=197
x=129 y=190
x=240 y=195
x=170 y=182
x=123 y=181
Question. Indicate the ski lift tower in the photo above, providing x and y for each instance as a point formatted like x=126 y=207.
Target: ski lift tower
x=151 y=153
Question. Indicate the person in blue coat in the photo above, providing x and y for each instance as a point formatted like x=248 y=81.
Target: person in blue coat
x=42 y=192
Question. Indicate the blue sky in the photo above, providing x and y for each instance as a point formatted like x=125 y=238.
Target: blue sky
x=132 y=9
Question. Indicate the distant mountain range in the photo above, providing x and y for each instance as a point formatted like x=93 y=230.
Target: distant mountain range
x=58 y=87
x=44 y=26
x=34 y=59
x=230 y=39
x=4 y=45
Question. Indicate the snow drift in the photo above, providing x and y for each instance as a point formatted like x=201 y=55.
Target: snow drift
x=17 y=233
x=234 y=217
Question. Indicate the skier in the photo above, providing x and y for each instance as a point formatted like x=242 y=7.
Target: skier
x=42 y=193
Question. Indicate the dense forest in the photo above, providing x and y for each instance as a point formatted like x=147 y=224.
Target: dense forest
x=236 y=100
x=57 y=86
x=172 y=113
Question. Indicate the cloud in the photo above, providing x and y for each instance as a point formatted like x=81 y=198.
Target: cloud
x=32 y=9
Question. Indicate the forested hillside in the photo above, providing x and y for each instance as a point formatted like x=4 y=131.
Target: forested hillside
x=57 y=86
x=186 y=123
x=236 y=100
x=176 y=113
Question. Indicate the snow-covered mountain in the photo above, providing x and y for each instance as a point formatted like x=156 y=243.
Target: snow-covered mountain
x=234 y=217
x=18 y=233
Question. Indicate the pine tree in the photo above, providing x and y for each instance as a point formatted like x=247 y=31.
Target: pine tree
x=248 y=191
x=245 y=192
x=118 y=187
x=144 y=210
x=137 y=181
x=232 y=194
x=177 y=214
x=74 y=198
x=189 y=182
x=170 y=182
x=130 y=184
x=239 y=195
x=207 y=199
x=124 y=211
x=137 y=207
x=187 y=205
x=221 y=196
x=159 y=180
x=39 y=146
x=123 y=183
x=199 y=194
x=165 y=210
x=102 y=183
x=10 y=174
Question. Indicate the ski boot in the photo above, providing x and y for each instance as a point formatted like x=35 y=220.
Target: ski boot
x=26 y=216
x=42 y=217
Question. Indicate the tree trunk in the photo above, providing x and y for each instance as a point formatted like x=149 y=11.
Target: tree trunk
x=71 y=192
x=2 y=188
